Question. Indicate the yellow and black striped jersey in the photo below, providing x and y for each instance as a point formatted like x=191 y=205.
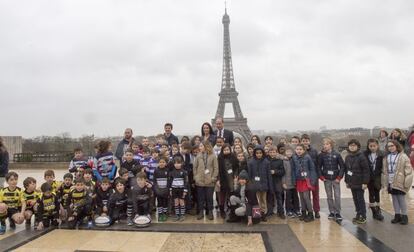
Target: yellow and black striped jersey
x=12 y=198
x=31 y=198
x=55 y=186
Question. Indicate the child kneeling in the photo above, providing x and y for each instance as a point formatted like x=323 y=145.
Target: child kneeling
x=243 y=200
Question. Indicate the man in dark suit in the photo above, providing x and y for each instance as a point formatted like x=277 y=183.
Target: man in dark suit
x=227 y=135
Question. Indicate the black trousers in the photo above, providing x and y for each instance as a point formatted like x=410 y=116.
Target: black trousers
x=205 y=197
x=292 y=200
x=359 y=202
x=374 y=194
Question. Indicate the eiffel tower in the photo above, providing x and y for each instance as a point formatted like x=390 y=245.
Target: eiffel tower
x=228 y=93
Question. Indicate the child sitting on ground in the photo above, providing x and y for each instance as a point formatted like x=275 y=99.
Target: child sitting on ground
x=79 y=204
x=12 y=204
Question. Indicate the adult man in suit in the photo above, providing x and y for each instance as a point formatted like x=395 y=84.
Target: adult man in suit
x=227 y=135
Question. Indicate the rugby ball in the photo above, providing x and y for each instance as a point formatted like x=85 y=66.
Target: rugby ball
x=142 y=221
x=102 y=221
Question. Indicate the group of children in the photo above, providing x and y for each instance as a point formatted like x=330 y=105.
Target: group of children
x=248 y=183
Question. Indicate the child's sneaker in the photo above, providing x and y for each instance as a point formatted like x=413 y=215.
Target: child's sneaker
x=361 y=220
x=354 y=220
x=338 y=217
x=291 y=215
x=129 y=221
x=182 y=218
x=90 y=224
x=161 y=218
x=177 y=218
x=331 y=216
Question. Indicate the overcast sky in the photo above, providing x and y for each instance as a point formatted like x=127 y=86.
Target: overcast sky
x=99 y=66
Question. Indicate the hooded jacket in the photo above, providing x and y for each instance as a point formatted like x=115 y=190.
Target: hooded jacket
x=259 y=172
x=356 y=170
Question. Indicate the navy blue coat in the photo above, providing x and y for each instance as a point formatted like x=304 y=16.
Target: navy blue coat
x=305 y=164
x=259 y=168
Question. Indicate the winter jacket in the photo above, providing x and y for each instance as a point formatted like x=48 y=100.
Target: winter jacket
x=228 y=169
x=375 y=168
x=171 y=139
x=259 y=172
x=305 y=169
x=277 y=170
x=289 y=177
x=122 y=147
x=4 y=163
x=356 y=170
x=132 y=167
x=205 y=169
x=313 y=153
x=403 y=177
x=331 y=166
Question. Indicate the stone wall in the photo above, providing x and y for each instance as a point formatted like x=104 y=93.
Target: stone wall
x=39 y=165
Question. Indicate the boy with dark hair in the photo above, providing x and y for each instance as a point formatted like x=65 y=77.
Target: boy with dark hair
x=49 y=176
x=131 y=165
x=140 y=196
x=313 y=153
x=357 y=177
x=63 y=193
x=136 y=151
x=103 y=193
x=178 y=185
x=48 y=208
x=89 y=183
x=278 y=171
x=295 y=140
x=30 y=195
x=147 y=163
x=79 y=204
x=12 y=204
x=78 y=163
x=117 y=204
x=161 y=188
